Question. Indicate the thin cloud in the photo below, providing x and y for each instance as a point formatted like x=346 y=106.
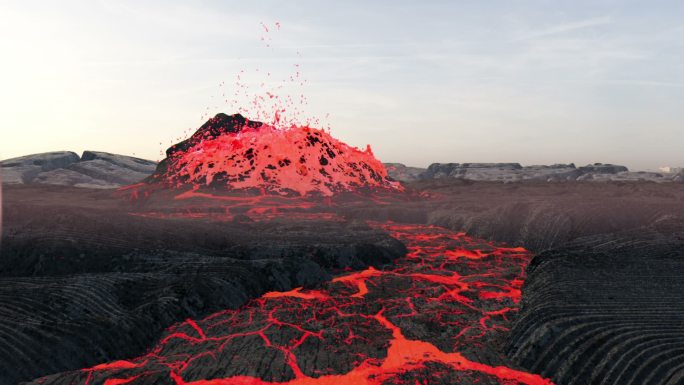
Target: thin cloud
x=569 y=27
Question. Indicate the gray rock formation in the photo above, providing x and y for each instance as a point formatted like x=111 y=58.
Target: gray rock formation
x=93 y=169
x=600 y=168
x=25 y=169
x=631 y=176
x=501 y=172
x=514 y=172
x=472 y=171
x=679 y=178
x=403 y=173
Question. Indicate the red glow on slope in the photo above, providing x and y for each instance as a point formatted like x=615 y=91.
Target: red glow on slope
x=387 y=324
x=243 y=155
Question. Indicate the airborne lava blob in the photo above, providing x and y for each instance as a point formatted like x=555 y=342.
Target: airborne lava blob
x=234 y=153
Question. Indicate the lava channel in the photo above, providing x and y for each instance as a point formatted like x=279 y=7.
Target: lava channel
x=437 y=316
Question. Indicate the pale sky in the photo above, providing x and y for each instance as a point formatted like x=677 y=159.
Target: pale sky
x=534 y=82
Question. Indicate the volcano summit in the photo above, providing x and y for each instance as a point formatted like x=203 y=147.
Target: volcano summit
x=232 y=152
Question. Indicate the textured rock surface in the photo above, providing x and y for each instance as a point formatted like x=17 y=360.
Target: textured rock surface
x=93 y=169
x=600 y=168
x=679 y=177
x=503 y=172
x=83 y=282
x=536 y=215
x=24 y=169
x=403 y=173
x=514 y=172
x=631 y=176
x=472 y=171
x=607 y=309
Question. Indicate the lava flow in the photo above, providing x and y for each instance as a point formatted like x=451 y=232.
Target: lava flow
x=437 y=316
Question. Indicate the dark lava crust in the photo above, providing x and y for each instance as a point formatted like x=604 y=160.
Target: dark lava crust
x=84 y=282
x=606 y=309
x=602 y=303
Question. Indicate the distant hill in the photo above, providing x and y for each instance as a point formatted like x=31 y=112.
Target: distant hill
x=514 y=172
x=93 y=169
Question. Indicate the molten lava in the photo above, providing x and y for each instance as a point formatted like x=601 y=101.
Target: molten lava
x=425 y=320
x=236 y=154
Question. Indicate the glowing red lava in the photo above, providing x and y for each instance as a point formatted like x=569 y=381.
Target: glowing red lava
x=236 y=154
x=420 y=321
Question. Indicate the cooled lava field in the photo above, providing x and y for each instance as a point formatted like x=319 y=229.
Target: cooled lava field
x=384 y=289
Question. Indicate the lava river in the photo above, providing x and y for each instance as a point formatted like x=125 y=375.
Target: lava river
x=437 y=316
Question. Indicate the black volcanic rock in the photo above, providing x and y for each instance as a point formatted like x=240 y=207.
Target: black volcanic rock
x=75 y=263
x=212 y=128
x=537 y=215
x=334 y=331
x=606 y=309
x=82 y=281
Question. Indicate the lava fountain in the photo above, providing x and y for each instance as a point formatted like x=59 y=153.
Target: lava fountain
x=233 y=153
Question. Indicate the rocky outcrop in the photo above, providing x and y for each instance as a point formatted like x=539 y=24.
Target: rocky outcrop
x=26 y=168
x=600 y=168
x=502 y=172
x=514 y=172
x=629 y=176
x=471 y=171
x=679 y=178
x=403 y=173
x=606 y=309
x=538 y=216
x=93 y=169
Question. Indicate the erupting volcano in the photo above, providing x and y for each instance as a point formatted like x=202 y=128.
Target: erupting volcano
x=231 y=152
